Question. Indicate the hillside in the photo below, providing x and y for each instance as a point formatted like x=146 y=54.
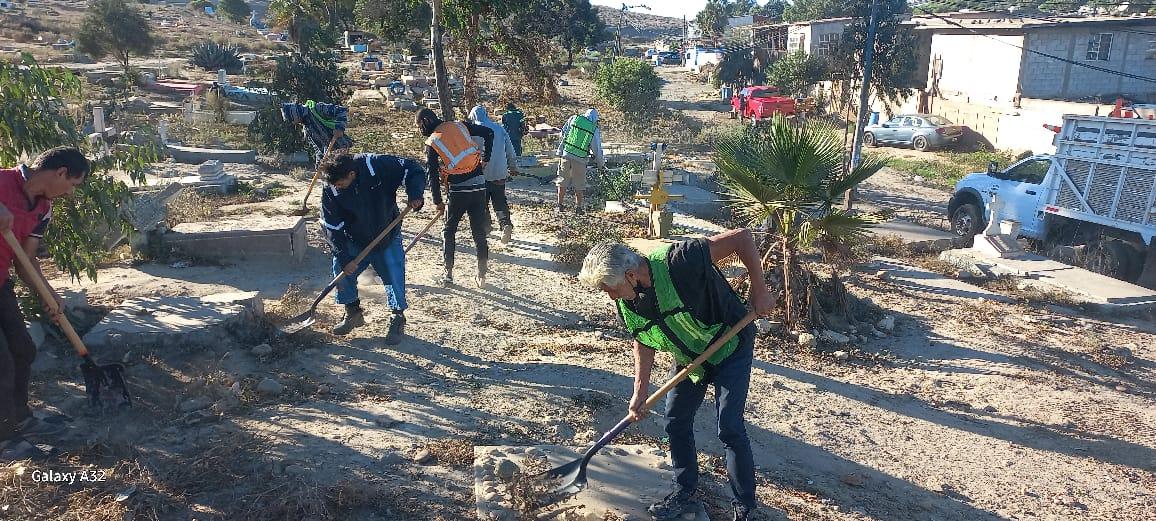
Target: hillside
x=641 y=25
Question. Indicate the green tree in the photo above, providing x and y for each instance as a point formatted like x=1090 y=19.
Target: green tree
x=712 y=20
x=629 y=85
x=34 y=109
x=198 y=6
x=802 y=10
x=773 y=10
x=583 y=28
x=738 y=68
x=789 y=179
x=113 y=27
x=893 y=67
x=795 y=72
x=235 y=10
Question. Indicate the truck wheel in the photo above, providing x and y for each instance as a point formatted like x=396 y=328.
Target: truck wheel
x=869 y=139
x=966 y=221
x=920 y=143
x=1111 y=258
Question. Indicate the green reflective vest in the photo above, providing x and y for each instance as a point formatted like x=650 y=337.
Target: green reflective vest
x=578 y=137
x=675 y=331
x=328 y=123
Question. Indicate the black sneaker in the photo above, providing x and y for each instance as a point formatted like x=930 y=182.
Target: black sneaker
x=674 y=505
x=354 y=317
x=396 y=329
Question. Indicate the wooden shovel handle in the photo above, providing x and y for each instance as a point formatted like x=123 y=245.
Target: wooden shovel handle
x=45 y=292
x=317 y=171
x=424 y=230
x=368 y=248
x=685 y=372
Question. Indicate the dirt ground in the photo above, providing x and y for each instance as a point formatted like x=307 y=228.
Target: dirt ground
x=968 y=410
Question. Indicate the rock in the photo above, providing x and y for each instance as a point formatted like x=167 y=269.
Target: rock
x=391 y=458
x=195 y=404
x=854 y=480
x=1066 y=500
x=235 y=388
x=423 y=456
x=886 y=324
x=1122 y=388
x=807 y=341
x=270 y=387
x=834 y=337
x=295 y=470
x=490 y=496
x=841 y=355
x=562 y=431
x=263 y=350
x=506 y=470
x=763 y=326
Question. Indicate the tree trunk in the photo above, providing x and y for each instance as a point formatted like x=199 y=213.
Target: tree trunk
x=439 y=60
x=788 y=295
x=471 y=79
x=569 y=57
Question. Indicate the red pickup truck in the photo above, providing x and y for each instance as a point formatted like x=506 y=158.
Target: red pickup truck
x=761 y=102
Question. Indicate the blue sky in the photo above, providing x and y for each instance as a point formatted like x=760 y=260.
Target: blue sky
x=673 y=8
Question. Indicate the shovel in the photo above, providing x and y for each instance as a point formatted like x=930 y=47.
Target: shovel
x=572 y=475
x=317 y=172
x=306 y=319
x=424 y=231
x=108 y=379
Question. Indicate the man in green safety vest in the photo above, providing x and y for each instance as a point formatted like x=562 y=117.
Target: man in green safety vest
x=675 y=300
x=580 y=140
x=320 y=122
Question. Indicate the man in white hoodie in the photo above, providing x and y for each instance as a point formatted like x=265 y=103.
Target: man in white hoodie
x=581 y=139
x=497 y=171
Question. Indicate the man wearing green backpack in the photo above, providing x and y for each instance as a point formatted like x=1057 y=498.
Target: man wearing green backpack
x=581 y=139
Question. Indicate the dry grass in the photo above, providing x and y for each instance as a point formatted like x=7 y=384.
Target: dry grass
x=373 y=392
x=189 y=207
x=528 y=492
x=457 y=453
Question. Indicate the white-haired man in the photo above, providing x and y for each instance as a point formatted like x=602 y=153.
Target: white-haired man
x=676 y=300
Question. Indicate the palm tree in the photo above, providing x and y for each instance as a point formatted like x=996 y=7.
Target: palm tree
x=788 y=179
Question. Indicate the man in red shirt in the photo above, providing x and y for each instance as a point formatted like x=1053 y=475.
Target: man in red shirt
x=26 y=193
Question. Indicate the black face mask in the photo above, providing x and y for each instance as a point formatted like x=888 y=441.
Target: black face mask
x=644 y=302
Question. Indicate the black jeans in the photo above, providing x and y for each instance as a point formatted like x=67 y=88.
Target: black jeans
x=16 y=355
x=472 y=203
x=496 y=193
x=731 y=379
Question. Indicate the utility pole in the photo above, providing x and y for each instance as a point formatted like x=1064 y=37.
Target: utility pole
x=618 y=30
x=439 y=62
x=864 y=91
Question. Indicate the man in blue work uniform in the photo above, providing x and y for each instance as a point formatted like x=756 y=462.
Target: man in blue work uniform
x=358 y=204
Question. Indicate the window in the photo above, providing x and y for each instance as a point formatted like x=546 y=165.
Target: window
x=1099 y=47
x=1031 y=172
x=828 y=44
x=795 y=43
x=911 y=122
x=938 y=121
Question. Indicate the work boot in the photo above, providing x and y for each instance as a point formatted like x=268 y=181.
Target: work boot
x=446 y=280
x=674 y=505
x=507 y=234
x=396 y=329
x=354 y=317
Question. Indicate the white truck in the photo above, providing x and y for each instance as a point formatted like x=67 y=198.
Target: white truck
x=1092 y=203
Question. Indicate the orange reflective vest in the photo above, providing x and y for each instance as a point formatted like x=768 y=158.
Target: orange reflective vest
x=457 y=151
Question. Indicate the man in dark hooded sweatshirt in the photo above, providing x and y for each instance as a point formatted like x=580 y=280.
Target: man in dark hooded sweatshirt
x=358 y=203
x=453 y=160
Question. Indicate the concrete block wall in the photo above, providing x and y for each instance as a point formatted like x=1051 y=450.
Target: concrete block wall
x=1047 y=78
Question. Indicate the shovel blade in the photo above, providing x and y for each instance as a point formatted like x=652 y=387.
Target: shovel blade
x=105 y=385
x=298 y=323
x=571 y=478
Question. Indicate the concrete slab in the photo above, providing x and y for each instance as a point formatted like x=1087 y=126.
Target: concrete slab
x=1092 y=288
x=922 y=281
x=196 y=156
x=916 y=236
x=622 y=480
x=158 y=322
x=272 y=239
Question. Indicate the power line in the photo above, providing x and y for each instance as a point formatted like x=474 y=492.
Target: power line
x=1046 y=55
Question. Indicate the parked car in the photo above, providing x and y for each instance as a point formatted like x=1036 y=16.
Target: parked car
x=921 y=131
x=760 y=102
x=668 y=58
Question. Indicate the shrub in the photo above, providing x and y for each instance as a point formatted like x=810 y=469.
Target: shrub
x=235 y=10
x=628 y=85
x=795 y=72
x=212 y=56
x=615 y=185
